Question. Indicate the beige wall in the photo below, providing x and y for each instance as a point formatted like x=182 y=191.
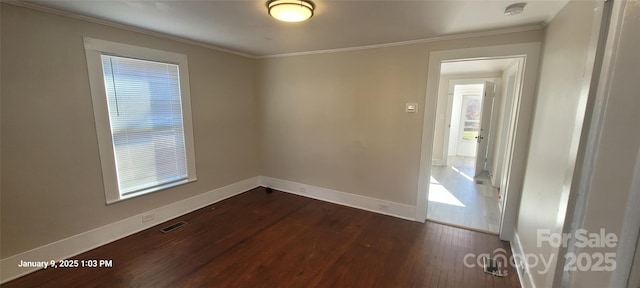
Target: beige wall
x=551 y=159
x=337 y=120
x=52 y=182
x=332 y=120
x=613 y=189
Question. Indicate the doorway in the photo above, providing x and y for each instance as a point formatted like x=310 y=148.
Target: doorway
x=461 y=191
x=515 y=140
x=468 y=118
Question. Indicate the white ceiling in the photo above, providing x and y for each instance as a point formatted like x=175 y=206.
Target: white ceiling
x=245 y=26
x=475 y=66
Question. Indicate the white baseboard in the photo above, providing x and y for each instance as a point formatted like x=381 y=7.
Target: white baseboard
x=494 y=181
x=74 y=245
x=522 y=268
x=394 y=209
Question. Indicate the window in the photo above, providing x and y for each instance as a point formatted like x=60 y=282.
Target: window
x=143 y=118
x=471 y=108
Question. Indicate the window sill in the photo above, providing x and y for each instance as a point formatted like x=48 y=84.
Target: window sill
x=151 y=190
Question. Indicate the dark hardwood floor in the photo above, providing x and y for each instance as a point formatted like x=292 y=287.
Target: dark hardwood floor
x=281 y=240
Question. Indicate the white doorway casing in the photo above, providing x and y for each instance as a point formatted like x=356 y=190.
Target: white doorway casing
x=529 y=52
x=484 y=136
x=510 y=89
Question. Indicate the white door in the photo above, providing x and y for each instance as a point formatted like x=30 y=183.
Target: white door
x=469 y=124
x=482 y=136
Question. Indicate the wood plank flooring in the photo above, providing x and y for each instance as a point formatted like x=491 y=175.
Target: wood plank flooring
x=257 y=239
x=456 y=198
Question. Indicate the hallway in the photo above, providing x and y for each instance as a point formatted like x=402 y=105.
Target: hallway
x=456 y=198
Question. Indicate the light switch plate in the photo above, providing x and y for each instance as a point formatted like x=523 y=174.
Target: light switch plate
x=411 y=107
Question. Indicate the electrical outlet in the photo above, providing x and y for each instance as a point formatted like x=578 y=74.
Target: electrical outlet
x=383 y=207
x=303 y=189
x=148 y=217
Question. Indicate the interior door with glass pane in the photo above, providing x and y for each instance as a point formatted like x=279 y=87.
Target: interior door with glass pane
x=469 y=124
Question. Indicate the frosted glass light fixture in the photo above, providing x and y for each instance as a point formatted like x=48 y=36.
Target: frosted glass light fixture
x=514 y=9
x=291 y=10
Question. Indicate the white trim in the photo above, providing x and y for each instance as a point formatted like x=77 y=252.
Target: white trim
x=91 y=239
x=410 y=42
x=622 y=27
x=530 y=52
x=521 y=267
x=586 y=136
x=380 y=206
x=629 y=235
x=463 y=227
x=33 y=6
x=514 y=69
x=59 y=12
x=94 y=49
x=74 y=245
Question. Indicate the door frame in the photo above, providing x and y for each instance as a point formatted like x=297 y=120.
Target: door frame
x=530 y=52
x=454 y=81
x=486 y=123
x=613 y=24
x=510 y=90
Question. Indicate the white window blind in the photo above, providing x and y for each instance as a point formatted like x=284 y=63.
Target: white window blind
x=145 y=115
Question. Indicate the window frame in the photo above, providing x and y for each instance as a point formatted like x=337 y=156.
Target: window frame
x=94 y=49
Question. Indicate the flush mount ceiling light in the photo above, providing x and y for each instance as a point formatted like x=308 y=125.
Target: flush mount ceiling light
x=291 y=10
x=514 y=9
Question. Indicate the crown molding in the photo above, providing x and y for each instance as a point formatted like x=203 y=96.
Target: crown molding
x=411 y=42
x=96 y=20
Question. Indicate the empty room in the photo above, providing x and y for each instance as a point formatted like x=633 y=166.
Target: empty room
x=297 y=143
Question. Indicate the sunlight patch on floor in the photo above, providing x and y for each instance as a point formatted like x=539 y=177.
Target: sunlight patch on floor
x=440 y=194
x=462 y=173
